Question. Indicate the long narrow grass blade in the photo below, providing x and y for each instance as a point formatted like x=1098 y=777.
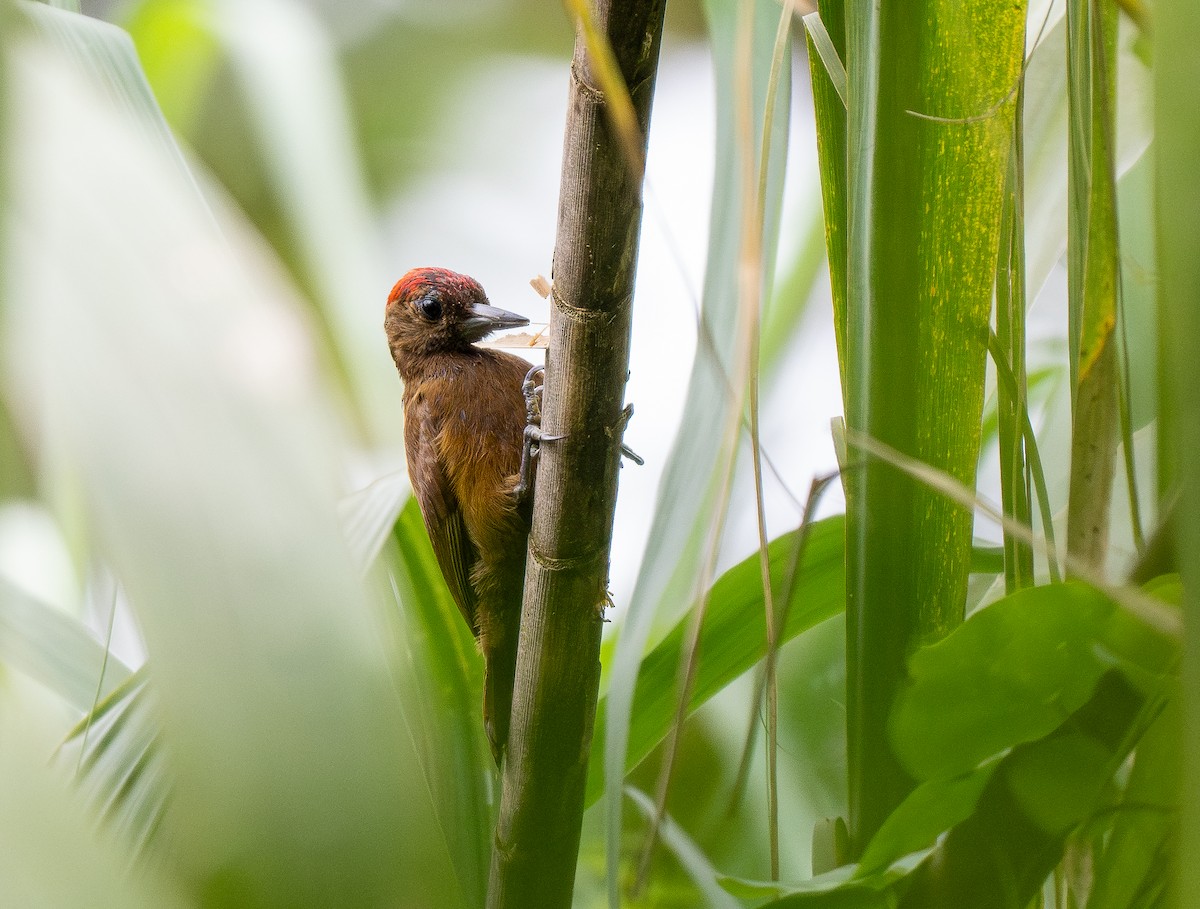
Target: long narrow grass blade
x=782 y=46
x=1012 y=401
x=829 y=103
x=1147 y=609
x=687 y=853
x=688 y=497
x=1032 y=457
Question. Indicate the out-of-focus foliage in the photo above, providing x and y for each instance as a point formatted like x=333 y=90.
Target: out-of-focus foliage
x=195 y=396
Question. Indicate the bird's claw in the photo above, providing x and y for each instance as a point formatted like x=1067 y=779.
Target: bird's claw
x=531 y=388
x=625 y=449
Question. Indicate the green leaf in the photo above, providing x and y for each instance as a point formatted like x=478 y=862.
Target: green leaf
x=1177 y=207
x=369 y=516
x=286 y=149
x=1017 y=832
x=178 y=385
x=1092 y=274
x=732 y=639
x=687 y=853
x=1136 y=855
x=1012 y=673
x=55 y=649
x=930 y=809
x=829 y=104
x=842 y=888
x=117 y=753
x=442 y=687
x=41 y=822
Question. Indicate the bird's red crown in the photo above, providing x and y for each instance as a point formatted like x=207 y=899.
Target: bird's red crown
x=420 y=281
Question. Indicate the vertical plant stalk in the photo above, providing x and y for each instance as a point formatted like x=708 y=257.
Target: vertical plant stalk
x=1092 y=280
x=929 y=130
x=1177 y=191
x=558 y=666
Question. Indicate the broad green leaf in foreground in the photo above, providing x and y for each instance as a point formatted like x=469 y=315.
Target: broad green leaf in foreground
x=441 y=687
x=1013 y=672
x=285 y=147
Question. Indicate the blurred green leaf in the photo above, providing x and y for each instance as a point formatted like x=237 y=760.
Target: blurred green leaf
x=117 y=754
x=55 y=649
x=179 y=54
x=689 y=855
x=999 y=856
x=837 y=889
x=104 y=55
x=51 y=855
x=442 y=691
x=272 y=123
x=1177 y=225
x=1092 y=274
x=1013 y=672
x=369 y=516
x=1139 y=287
x=828 y=77
x=178 y=382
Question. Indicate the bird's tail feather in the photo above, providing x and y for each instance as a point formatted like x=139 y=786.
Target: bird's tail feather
x=500 y=671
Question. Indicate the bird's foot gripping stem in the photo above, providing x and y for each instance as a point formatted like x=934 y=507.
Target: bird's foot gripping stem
x=531 y=388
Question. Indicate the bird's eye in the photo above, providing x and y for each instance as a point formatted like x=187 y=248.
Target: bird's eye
x=430 y=308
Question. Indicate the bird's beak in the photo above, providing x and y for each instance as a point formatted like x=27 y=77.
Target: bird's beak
x=482 y=320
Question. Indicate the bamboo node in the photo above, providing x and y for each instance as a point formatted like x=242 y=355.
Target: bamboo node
x=589 y=91
x=584 y=314
x=587 y=561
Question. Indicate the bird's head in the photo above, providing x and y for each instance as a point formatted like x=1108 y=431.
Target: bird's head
x=433 y=310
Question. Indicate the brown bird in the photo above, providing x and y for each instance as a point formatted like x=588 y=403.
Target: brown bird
x=465 y=418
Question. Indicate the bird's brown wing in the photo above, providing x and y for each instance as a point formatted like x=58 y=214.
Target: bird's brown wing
x=443 y=516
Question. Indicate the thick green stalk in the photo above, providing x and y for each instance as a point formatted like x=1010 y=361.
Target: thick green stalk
x=930 y=112
x=1177 y=166
x=558 y=661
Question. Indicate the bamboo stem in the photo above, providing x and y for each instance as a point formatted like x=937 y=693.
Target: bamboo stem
x=558 y=668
